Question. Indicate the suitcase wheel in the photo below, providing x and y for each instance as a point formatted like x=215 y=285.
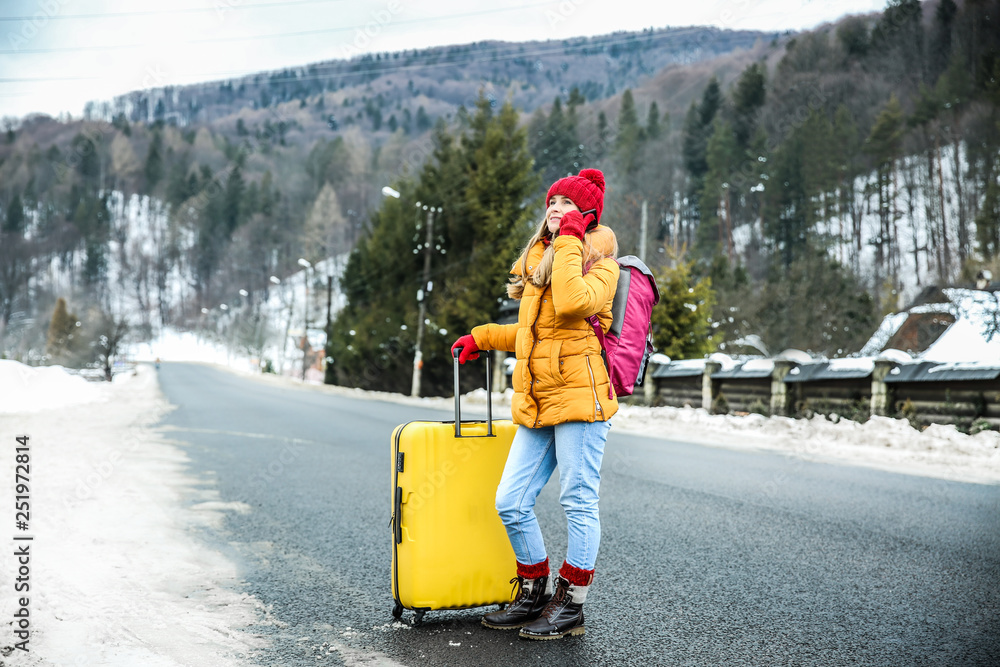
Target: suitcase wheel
x=397 y=611
x=418 y=616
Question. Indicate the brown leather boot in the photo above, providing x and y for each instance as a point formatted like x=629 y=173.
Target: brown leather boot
x=526 y=607
x=562 y=616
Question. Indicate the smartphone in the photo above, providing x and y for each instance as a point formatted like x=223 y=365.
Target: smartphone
x=593 y=223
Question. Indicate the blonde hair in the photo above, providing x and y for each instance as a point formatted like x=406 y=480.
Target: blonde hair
x=542 y=275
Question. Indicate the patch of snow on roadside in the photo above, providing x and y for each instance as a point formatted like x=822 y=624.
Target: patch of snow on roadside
x=117 y=579
x=32 y=388
x=939 y=451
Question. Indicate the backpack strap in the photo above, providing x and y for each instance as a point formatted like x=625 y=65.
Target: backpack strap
x=596 y=323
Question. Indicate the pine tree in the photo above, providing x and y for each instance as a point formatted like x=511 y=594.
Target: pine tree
x=818 y=167
x=898 y=41
x=88 y=165
x=575 y=99
x=845 y=153
x=884 y=144
x=233 y=205
x=941 y=37
x=815 y=305
x=154 y=161
x=955 y=90
x=682 y=326
x=715 y=230
x=15 y=215
x=852 y=33
x=62 y=327
x=653 y=121
x=748 y=98
x=698 y=127
x=629 y=136
x=178 y=184
x=603 y=134
x=500 y=180
x=786 y=202
x=554 y=143
x=423 y=120
x=93 y=219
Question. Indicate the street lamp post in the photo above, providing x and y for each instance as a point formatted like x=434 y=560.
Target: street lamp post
x=305 y=336
x=418 y=357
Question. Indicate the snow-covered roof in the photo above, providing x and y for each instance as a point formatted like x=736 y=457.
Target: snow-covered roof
x=930 y=371
x=852 y=365
x=966 y=341
x=680 y=368
x=727 y=362
x=890 y=325
x=849 y=368
x=974 y=336
x=754 y=368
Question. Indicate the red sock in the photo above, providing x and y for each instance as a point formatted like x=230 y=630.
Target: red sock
x=575 y=575
x=533 y=571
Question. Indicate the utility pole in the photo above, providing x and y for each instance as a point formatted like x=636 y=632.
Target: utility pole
x=642 y=230
x=329 y=302
x=677 y=231
x=418 y=357
x=305 y=264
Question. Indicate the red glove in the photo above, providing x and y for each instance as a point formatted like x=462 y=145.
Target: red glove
x=469 y=348
x=574 y=223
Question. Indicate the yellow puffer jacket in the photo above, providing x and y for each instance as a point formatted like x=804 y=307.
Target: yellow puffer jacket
x=560 y=375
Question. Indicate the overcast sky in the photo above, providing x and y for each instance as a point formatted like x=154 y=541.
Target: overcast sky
x=55 y=55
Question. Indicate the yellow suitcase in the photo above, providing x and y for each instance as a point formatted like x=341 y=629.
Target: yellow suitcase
x=449 y=547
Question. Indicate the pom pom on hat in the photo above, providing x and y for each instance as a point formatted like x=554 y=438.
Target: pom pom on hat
x=595 y=176
x=586 y=190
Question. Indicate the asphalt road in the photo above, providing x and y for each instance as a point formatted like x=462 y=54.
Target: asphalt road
x=709 y=556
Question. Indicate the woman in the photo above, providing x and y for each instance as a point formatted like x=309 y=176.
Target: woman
x=561 y=403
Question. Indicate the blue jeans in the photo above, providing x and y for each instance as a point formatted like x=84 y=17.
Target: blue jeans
x=578 y=448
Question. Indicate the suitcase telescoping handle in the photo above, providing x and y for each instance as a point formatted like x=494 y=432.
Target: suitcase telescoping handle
x=489 y=394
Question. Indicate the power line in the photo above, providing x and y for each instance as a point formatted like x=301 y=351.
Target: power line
x=51 y=78
x=152 y=12
x=299 y=33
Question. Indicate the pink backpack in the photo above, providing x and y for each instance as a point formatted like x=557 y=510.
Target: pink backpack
x=629 y=342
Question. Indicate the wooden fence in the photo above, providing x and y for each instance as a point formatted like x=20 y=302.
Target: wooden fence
x=967 y=395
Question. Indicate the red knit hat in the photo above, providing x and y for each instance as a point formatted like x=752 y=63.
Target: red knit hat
x=586 y=190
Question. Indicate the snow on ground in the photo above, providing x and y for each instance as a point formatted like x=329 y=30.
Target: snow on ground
x=174 y=345
x=30 y=389
x=881 y=442
x=116 y=577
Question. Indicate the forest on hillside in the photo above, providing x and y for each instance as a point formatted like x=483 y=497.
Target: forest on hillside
x=798 y=186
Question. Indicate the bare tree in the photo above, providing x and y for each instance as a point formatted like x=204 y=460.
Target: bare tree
x=111 y=332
